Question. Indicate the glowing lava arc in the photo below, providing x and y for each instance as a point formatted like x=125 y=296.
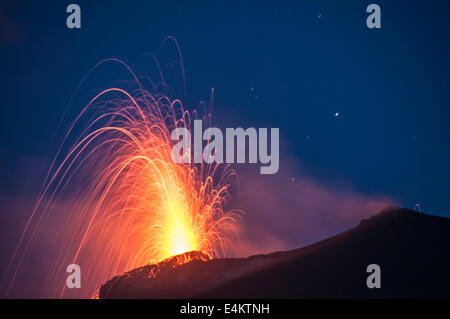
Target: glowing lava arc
x=126 y=203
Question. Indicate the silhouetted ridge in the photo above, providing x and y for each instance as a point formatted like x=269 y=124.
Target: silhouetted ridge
x=410 y=247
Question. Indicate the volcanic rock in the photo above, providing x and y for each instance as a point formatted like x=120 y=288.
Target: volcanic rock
x=411 y=248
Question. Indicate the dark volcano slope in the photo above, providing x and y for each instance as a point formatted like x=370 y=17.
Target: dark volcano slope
x=411 y=248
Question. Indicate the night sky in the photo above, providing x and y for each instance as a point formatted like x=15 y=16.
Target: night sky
x=363 y=113
x=356 y=106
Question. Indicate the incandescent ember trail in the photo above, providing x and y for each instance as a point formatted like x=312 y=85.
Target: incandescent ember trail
x=126 y=202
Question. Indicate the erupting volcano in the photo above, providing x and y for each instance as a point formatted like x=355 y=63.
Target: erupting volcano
x=126 y=203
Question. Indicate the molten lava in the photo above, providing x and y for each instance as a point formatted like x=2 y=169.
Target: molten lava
x=114 y=199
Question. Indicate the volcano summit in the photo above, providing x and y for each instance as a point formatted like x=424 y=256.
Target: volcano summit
x=410 y=247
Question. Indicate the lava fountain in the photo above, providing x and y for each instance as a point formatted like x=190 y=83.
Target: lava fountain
x=114 y=199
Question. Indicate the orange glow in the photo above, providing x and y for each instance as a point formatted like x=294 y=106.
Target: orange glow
x=115 y=200
x=179 y=231
x=136 y=205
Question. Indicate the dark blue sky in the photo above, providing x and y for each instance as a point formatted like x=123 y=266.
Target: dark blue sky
x=305 y=60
